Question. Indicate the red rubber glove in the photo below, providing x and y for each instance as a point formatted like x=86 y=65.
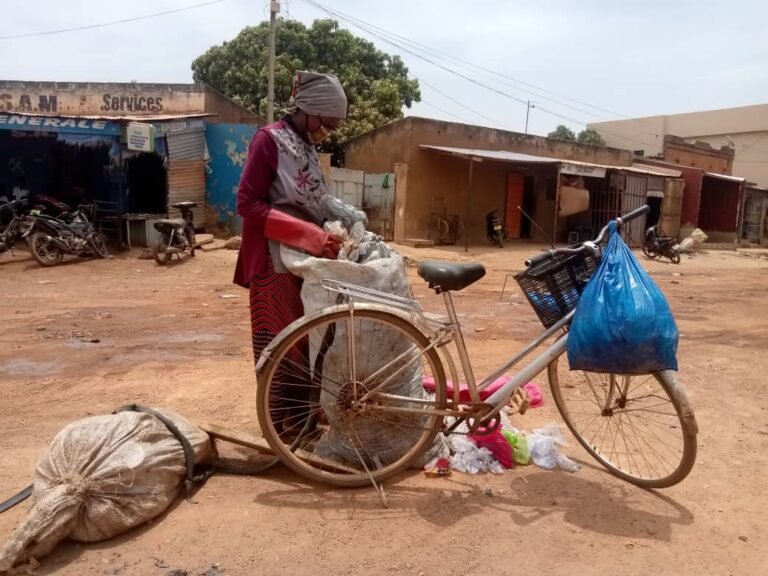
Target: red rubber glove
x=297 y=233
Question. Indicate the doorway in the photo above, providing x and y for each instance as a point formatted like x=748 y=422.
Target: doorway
x=147 y=183
x=654 y=215
x=512 y=216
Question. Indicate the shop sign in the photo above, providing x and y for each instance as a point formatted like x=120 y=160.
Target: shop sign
x=140 y=137
x=57 y=124
x=582 y=170
x=165 y=128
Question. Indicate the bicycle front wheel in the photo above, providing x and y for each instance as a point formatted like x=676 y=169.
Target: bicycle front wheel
x=640 y=427
x=341 y=399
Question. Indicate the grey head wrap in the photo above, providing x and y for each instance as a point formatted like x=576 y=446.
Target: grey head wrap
x=318 y=95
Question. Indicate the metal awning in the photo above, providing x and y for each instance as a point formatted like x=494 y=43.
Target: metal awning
x=725 y=177
x=105 y=125
x=499 y=155
x=656 y=170
x=574 y=167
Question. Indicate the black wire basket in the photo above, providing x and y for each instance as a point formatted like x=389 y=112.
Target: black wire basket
x=554 y=287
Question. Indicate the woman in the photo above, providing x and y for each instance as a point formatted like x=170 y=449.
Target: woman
x=279 y=201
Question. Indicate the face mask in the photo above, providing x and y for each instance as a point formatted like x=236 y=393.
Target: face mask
x=317 y=136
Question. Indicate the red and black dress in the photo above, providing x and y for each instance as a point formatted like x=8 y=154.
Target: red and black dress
x=283 y=172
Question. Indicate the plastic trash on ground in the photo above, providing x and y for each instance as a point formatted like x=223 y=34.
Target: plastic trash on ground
x=544 y=444
x=534 y=394
x=519 y=444
x=439 y=466
x=496 y=444
x=467 y=457
x=693 y=241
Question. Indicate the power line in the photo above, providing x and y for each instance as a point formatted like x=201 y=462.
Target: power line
x=112 y=23
x=452 y=99
x=445 y=112
x=367 y=29
x=753 y=143
x=448 y=57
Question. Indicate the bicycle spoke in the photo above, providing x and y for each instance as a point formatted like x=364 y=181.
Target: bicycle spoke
x=639 y=435
x=598 y=402
x=312 y=377
x=671 y=447
x=630 y=453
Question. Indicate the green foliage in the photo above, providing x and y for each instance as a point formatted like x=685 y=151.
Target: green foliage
x=377 y=84
x=590 y=137
x=562 y=133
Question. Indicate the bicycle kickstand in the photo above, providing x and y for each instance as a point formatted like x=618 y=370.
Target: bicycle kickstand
x=378 y=487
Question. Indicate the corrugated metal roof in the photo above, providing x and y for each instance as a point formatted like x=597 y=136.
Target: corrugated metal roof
x=501 y=155
x=724 y=177
x=509 y=156
x=146 y=118
x=657 y=170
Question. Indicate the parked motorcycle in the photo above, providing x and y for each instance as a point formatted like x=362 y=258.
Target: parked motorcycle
x=16 y=228
x=657 y=246
x=50 y=238
x=494 y=229
x=177 y=235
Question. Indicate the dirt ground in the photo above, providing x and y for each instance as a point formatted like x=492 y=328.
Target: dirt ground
x=86 y=337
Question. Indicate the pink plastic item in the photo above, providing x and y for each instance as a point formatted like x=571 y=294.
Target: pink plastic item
x=497 y=444
x=534 y=393
x=429 y=386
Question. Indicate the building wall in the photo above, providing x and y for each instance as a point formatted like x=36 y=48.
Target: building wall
x=699 y=155
x=751 y=160
x=645 y=136
x=121 y=99
x=744 y=128
x=226 y=111
x=719 y=209
x=432 y=175
x=228 y=150
x=102 y=99
x=689 y=216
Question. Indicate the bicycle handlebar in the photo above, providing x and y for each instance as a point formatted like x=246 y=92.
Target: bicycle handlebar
x=544 y=256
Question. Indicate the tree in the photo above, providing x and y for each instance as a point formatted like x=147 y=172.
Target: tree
x=590 y=137
x=376 y=84
x=562 y=133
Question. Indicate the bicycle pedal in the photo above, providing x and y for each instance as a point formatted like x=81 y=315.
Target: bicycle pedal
x=518 y=403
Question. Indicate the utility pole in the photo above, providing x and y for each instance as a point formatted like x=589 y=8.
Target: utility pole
x=528 y=107
x=274 y=9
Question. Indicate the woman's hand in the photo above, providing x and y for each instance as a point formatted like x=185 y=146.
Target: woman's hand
x=331 y=247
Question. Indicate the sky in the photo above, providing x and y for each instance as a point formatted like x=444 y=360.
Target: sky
x=589 y=60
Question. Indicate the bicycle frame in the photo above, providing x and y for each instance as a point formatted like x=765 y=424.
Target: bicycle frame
x=440 y=333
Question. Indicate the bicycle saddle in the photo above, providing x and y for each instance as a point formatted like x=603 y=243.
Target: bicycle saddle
x=445 y=276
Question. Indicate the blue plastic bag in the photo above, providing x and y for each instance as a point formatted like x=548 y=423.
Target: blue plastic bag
x=623 y=323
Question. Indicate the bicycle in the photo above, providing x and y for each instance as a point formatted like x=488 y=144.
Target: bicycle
x=354 y=364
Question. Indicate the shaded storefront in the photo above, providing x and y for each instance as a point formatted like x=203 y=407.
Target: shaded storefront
x=130 y=169
x=567 y=200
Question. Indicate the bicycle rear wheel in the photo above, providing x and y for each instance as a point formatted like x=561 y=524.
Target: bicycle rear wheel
x=341 y=399
x=640 y=427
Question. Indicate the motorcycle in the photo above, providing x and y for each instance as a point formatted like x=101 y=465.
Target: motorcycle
x=49 y=238
x=16 y=228
x=177 y=235
x=657 y=246
x=494 y=229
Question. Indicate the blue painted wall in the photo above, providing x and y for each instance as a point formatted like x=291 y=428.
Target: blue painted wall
x=228 y=149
